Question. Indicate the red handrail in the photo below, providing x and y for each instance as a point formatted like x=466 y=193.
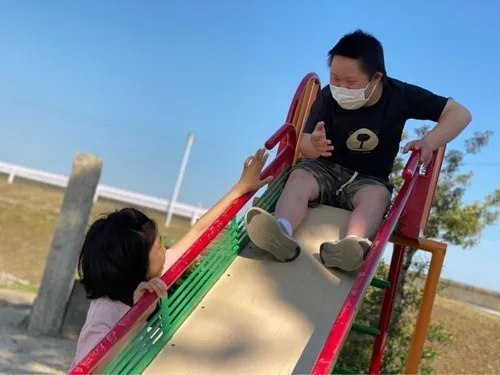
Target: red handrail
x=338 y=333
x=298 y=93
x=287 y=131
x=411 y=166
x=124 y=325
x=295 y=103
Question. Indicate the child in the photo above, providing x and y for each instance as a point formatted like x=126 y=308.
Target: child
x=123 y=256
x=350 y=141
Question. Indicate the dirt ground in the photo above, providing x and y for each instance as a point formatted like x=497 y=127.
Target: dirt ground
x=22 y=354
x=474 y=349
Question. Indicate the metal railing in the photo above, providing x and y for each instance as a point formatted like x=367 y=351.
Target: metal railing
x=14 y=171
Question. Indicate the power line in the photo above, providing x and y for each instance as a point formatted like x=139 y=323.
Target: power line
x=485 y=164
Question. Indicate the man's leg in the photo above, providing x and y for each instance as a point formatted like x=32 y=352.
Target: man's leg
x=369 y=203
x=300 y=189
x=274 y=234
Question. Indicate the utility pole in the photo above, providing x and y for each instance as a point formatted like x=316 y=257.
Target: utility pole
x=180 y=177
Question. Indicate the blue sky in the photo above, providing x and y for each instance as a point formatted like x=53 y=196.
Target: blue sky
x=127 y=80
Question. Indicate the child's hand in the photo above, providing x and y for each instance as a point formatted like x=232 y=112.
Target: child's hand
x=250 y=178
x=155 y=285
x=319 y=142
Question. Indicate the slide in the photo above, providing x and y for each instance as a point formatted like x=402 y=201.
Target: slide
x=239 y=311
x=263 y=316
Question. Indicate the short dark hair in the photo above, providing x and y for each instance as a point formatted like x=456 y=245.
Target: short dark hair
x=114 y=258
x=363 y=47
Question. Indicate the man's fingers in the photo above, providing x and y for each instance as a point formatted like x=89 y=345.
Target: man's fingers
x=326 y=154
x=413 y=146
x=320 y=127
x=426 y=159
x=408 y=147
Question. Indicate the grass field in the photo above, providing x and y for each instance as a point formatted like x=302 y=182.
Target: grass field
x=28 y=214
x=476 y=339
x=28 y=217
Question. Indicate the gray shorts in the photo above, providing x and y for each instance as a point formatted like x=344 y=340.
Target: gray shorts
x=337 y=185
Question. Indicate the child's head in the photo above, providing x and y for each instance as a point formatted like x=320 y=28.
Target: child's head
x=120 y=251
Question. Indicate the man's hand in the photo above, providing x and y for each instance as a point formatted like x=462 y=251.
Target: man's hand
x=425 y=150
x=319 y=142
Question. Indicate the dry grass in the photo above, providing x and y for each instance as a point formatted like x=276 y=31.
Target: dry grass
x=476 y=339
x=28 y=217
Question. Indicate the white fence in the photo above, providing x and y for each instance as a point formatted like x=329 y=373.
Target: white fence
x=103 y=191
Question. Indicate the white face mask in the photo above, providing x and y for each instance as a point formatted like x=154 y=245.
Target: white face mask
x=350 y=98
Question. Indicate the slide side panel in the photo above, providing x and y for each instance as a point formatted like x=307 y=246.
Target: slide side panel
x=264 y=317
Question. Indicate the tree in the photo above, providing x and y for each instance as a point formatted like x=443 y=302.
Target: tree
x=451 y=220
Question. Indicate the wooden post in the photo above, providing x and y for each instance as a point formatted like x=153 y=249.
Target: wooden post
x=50 y=305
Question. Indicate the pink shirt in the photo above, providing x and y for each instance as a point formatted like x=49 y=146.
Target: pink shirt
x=103 y=314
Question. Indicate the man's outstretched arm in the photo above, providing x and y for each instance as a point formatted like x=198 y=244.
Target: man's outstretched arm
x=451 y=123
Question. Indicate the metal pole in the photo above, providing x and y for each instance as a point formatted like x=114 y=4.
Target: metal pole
x=425 y=311
x=387 y=308
x=175 y=195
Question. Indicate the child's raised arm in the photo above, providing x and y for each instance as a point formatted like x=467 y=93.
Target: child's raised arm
x=249 y=181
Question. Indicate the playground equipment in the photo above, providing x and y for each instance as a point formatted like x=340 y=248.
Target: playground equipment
x=239 y=311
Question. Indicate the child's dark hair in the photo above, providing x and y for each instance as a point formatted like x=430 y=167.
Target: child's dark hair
x=363 y=47
x=115 y=255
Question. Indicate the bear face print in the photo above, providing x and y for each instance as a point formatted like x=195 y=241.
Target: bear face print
x=362 y=140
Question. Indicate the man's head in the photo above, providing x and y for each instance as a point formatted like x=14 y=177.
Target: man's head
x=356 y=61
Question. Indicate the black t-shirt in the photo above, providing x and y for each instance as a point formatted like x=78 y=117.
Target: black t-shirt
x=367 y=140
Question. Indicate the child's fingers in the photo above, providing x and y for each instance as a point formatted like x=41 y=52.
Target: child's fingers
x=139 y=291
x=159 y=287
x=145 y=286
x=258 y=154
x=262 y=160
x=248 y=161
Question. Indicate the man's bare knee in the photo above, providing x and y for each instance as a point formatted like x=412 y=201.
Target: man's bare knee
x=373 y=195
x=303 y=184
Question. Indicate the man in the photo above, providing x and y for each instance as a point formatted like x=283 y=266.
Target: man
x=350 y=141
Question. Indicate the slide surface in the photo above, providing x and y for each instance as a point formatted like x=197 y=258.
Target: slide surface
x=263 y=316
